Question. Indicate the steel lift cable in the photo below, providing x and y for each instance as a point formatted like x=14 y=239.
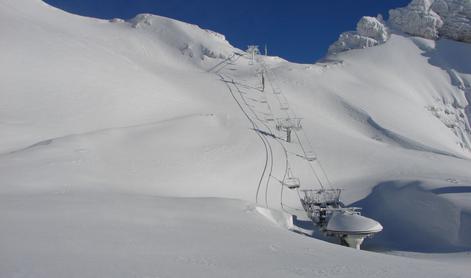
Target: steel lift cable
x=286 y=159
x=258 y=134
x=328 y=183
x=267 y=142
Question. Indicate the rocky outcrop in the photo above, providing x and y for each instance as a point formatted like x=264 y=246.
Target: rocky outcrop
x=417 y=19
x=370 y=31
x=430 y=19
x=433 y=19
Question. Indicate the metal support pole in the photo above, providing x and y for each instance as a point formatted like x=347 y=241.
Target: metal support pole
x=263 y=82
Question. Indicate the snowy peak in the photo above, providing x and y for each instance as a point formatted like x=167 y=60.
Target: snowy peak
x=190 y=39
x=433 y=19
x=430 y=19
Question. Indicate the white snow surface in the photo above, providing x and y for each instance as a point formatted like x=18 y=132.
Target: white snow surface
x=127 y=150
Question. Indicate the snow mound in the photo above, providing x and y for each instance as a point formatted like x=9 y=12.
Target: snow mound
x=433 y=19
x=370 y=32
x=420 y=215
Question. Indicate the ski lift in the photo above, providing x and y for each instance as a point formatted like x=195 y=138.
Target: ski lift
x=287 y=125
x=324 y=208
x=284 y=106
x=291 y=182
x=275 y=88
x=322 y=197
x=253 y=50
x=310 y=156
x=284 y=124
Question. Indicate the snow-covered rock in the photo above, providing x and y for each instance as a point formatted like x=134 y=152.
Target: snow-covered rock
x=457 y=18
x=417 y=19
x=373 y=28
x=432 y=19
x=370 y=32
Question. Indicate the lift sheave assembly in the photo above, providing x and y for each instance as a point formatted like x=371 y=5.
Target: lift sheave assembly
x=324 y=208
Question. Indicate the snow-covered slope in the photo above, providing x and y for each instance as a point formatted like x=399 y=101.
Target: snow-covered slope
x=100 y=117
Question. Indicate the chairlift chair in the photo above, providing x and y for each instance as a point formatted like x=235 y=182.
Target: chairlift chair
x=284 y=106
x=290 y=181
x=310 y=156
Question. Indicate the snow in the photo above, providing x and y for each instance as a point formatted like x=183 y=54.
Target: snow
x=117 y=235
x=370 y=32
x=457 y=19
x=125 y=152
x=432 y=19
x=417 y=19
x=346 y=222
x=373 y=28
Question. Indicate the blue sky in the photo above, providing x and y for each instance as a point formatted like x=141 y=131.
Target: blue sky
x=297 y=30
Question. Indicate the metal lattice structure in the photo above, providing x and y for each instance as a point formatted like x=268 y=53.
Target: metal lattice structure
x=253 y=50
x=320 y=204
x=322 y=197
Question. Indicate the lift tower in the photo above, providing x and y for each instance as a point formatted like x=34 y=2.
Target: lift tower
x=287 y=125
x=324 y=208
x=253 y=50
